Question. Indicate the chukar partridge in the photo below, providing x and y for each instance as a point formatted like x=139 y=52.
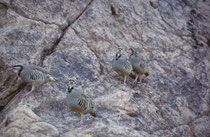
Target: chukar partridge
x=35 y=75
x=139 y=64
x=78 y=101
x=121 y=64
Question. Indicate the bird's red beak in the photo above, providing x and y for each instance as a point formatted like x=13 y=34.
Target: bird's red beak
x=11 y=68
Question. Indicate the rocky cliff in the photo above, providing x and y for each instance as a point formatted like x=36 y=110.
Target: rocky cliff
x=73 y=38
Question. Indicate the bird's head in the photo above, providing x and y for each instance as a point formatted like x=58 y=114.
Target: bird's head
x=18 y=67
x=71 y=85
x=132 y=51
x=119 y=52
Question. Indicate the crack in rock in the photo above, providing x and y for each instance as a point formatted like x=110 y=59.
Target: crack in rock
x=93 y=51
x=48 y=52
x=174 y=30
x=21 y=13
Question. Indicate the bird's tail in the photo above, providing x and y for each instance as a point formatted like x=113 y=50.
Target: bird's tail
x=93 y=113
x=132 y=75
x=146 y=73
x=51 y=79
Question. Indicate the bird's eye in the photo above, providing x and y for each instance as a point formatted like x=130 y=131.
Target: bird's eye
x=71 y=81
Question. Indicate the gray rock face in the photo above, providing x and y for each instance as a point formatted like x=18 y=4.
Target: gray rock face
x=79 y=38
x=10 y=85
x=60 y=13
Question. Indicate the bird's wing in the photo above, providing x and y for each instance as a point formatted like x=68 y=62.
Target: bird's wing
x=142 y=65
x=33 y=67
x=85 y=102
x=127 y=65
x=37 y=75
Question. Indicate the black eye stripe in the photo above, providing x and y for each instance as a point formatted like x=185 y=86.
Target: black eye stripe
x=70 y=89
x=16 y=66
x=132 y=51
x=21 y=68
x=118 y=56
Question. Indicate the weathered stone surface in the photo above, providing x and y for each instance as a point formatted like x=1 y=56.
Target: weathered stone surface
x=173 y=36
x=10 y=85
x=60 y=13
x=22 y=39
x=23 y=122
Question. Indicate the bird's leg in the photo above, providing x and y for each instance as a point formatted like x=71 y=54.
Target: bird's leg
x=32 y=89
x=125 y=77
x=81 y=118
x=135 y=81
x=40 y=90
x=140 y=79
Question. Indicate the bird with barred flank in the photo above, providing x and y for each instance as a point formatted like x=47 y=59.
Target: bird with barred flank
x=35 y=75
x=121 y=64
x=139 y=64
x=78 y=101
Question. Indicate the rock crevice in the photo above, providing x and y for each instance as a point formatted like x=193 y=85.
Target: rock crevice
x=49 y=51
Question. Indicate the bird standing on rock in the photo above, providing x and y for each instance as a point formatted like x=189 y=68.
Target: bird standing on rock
x=78 y=101
x=138 y=63
x=121 y=64
x=35 y=75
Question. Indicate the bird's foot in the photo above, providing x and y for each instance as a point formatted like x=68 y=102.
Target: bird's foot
x=136 y=80
x=81 y=120
x=41 y=91
x=27 y=93
x=124 y=82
